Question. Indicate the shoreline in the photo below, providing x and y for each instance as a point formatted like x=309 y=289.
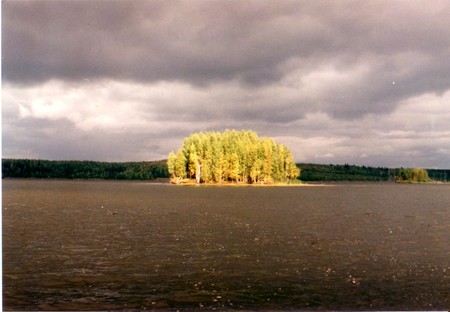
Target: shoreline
x=193 y=182
x=166 y=181
x=304 y=184
x=234 y=184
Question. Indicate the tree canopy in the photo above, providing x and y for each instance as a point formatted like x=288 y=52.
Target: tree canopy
x=231 y=156
x=72 y=169
x=413 y=175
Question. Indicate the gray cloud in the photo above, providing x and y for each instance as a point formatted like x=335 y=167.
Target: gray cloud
x=158 y=70
x=209 y=41
x=60 y=139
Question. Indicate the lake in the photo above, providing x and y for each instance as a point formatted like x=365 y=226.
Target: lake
x=103 y=245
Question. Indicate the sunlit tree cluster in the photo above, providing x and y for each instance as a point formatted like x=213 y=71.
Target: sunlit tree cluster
x=413 y=175
x=231 y=156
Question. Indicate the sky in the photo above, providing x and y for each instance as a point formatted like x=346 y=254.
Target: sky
x=357 y=82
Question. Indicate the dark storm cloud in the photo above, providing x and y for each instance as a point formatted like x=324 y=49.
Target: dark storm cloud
x=202 y=42
x=163 y=69
x=197 y=42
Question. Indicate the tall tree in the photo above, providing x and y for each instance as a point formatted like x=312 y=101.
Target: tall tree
x=171 y=164
x=238 y=156
x=193 y=164
x=180 y=165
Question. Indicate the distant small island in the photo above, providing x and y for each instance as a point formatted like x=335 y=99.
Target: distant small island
x=413 y=175
x=239 y=157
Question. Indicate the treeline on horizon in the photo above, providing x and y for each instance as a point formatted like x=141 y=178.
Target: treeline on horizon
x=150 y=170
x=74 y=169
x=319 y=172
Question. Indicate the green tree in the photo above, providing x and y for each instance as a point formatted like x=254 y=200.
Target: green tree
x=255 y=171
x=193 y=164
x=413 y=175
x=171 y=164
x=238 y=156
x=234 y=167
x=180 y=165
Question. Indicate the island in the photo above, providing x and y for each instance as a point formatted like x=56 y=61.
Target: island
x=239 y=157
x=413 y=175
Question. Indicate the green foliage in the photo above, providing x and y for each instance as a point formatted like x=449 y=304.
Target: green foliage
x=413 y=175
x=180 y=165
x=32 y=168
x=319 y=172
x=171 y=163
x=441 y=175
x=235 y=156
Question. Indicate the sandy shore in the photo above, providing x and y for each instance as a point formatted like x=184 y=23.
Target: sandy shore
x=300 y=184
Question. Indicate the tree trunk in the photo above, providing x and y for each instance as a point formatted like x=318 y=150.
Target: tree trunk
x=197 y=174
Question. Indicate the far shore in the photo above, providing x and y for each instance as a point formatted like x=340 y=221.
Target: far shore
x=302 y=184
x=193 y=182
x=166 y=181
x=278 y=184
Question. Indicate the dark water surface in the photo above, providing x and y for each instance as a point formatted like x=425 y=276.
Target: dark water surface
x=96 y=245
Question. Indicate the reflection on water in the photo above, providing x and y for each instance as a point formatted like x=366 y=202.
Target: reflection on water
x=77 y=245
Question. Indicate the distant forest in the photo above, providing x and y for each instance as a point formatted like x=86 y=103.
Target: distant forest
x=316 y=172
x=55 y=169
x=150 y=170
